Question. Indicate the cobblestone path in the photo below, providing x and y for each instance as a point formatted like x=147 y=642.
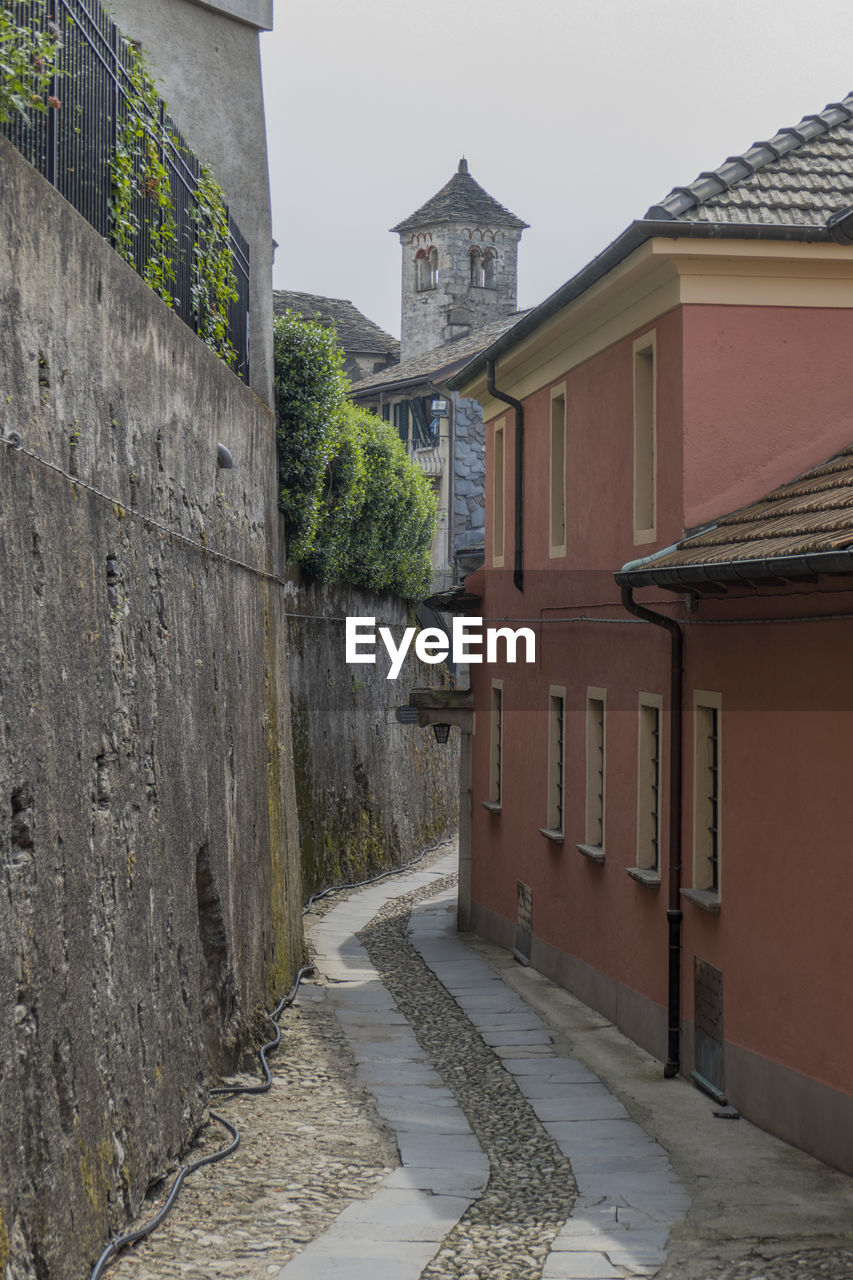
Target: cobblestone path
x=506 y=1233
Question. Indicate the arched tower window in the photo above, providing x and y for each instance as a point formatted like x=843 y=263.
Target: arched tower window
x=475 y=259
x=421 y=271
x=426 y=269
x=490 y=263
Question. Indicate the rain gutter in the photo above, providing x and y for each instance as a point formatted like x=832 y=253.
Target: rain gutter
x=644 y=573
x=676 y=743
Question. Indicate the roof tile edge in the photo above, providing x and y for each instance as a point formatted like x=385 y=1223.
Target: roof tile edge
x=785 y=140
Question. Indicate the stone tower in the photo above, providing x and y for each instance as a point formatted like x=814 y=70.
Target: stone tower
x=460 y=262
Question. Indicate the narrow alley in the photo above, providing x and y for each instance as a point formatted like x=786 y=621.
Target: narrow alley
x=440 y=1112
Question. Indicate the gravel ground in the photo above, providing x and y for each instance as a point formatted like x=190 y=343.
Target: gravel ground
x=307 y=1149
x=796 y=1264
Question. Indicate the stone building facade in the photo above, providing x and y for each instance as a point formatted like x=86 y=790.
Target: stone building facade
x=459 y=289
x=460 y=264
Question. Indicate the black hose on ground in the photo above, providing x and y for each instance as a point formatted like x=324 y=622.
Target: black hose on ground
x=133 y=1237
x=122 y=1242
x=284 y=1003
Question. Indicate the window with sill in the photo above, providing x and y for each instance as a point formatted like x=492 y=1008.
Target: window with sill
x=595 y=769
x=649 y=782
x=556 y=763
x=707 y=790
x=496 y=746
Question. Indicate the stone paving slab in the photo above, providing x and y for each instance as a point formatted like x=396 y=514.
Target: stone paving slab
x=346 y=1259
x=612 y=1158
x=396 y=1232
x=580 y=1265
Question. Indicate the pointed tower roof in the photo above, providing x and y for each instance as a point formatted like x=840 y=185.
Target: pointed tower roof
x=460 y=200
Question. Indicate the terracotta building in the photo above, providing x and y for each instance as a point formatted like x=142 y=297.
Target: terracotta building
x=660 y=800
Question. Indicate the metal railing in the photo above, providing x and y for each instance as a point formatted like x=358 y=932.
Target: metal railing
x=74 y=147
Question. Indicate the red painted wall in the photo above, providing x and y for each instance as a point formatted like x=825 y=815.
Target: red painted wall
x=767 y=394
x=783 y=937
x=746 y=398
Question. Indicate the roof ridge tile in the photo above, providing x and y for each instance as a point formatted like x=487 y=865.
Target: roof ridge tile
x=788 y=139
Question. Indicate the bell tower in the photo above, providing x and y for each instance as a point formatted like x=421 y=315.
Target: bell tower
x=460 y=264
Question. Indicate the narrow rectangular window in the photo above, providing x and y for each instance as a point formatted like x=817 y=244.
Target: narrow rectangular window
x=645 y=439
x=649 y=782
x=498 y=486
x=496 y=754
x=558 y=473
x=401 y=420
x=706 y=792
x=595 y=768
x=556 y=761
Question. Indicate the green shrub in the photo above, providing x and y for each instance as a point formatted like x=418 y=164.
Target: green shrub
x=358 y=509
x=310 y=392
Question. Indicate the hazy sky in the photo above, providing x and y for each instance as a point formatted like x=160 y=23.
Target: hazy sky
x=575 y=114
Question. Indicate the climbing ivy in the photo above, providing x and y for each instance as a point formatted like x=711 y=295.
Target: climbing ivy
x=140 y=178
x=28 y=57
x=138 y=172
x=214 y=283
x=358 y=509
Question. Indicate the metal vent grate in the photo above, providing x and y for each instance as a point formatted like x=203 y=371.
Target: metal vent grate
x=524 y=923
x=708 y=1043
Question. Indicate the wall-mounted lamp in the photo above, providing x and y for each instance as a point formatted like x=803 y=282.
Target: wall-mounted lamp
x=223 y=458
x=439 y=408
x=441 y=731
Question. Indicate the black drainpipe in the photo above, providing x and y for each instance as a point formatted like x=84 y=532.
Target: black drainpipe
x=518 y=567
x=676 y=733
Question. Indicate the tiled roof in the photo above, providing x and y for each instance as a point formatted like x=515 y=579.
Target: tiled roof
x=430 y=363
x=797 y=178
x=355 y=331
x=811 y=516
x=460 y=200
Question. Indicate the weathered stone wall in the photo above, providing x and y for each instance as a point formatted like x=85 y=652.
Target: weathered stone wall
x=469 y=475
x=434 y=316
x=149 y=872
x=371 y=793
